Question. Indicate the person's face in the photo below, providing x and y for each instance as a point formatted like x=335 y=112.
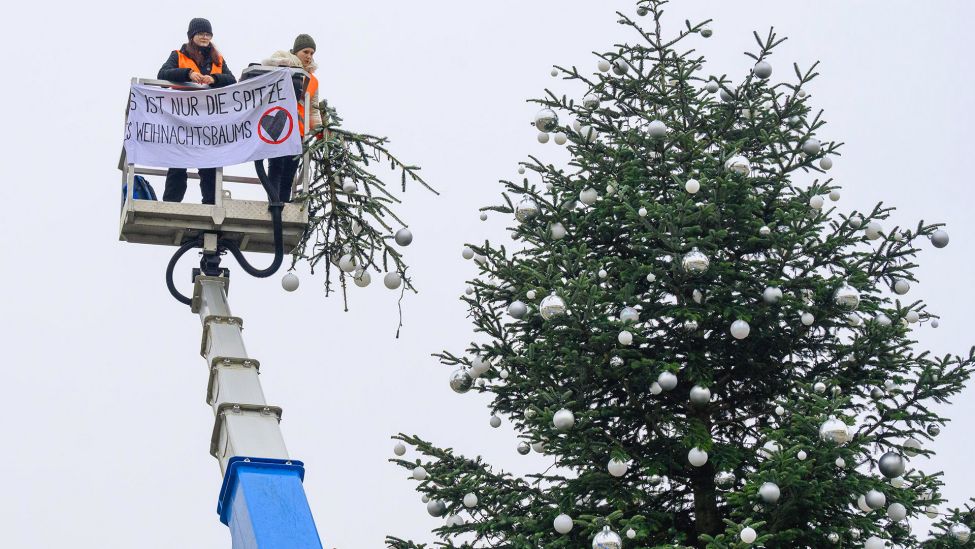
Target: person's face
x=202 y=39
x=306 y=55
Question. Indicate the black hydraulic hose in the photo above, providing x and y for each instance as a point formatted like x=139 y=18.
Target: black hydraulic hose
x=272 y=193
x=187 y=246
x=275 y=209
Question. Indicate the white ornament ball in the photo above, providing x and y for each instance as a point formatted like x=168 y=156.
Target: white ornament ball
x=873 y=230
x=692 y=186
x=642 y=212
x=588 y=196
x=769 y=492
x=563 y=524
x=399 y=449
x=816 y=202
x=557 y=231
x=939 y=238
x=392 y=280
x=625 y=338
x=518 y=309
x=629 y=314
x=419 y=473
x=470 y=500
x=655 y=388
x=404 y=237
x=779 y=410
x=931 y=511
x=362 y=278
x=873 y=542
x=711 y=86
x=912 y=317
x=807 y=319
x=840 y=462
x=911 y=447
x=552 y=306
x=590 y=101
x=902 y=286
x=617 y=468
x=740 y=329
x=542 y=137
x=862 y=504
x=603 y=65
x=630 y=533
x=700 y=396
x=436 y=508
x=896 y=512
x=834 y=195
x=495 y=422
x=802 y=455
x=289 y=282
x=772 y=294
x=825 y=163
x=349 y=187
x=875 y=499
x=738 y=164
x=935 y=323
x=748 y=535
x=667 y=381
x=811 y=146
x=563 y=419
x=657 y=129
x=960 y=532
x=819 y=387
x=560 y=138
x=347 y=263
x=467 y=253
x=762 y=69
x=697 y=457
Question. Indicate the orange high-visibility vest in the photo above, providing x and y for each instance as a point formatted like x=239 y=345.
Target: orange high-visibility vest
x=186 y=62
x=312 y=88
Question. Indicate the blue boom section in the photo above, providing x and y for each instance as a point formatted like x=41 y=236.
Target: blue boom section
x=264 y=504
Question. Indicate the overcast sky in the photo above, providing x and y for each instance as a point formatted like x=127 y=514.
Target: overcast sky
x=105 y=439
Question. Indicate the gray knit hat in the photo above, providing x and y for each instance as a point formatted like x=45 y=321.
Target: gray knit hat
x=303 y=41
x=198 y=25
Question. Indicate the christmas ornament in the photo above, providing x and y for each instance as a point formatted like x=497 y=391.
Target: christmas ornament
x=630 y=533
x=891 y=465
x=392 y=280
x=939 y=238
x=738 y=164
x=419 y=473
x=912 y=317
x=403 y=237
x=740 y=329
x=546 y=120
x=603 y=65
x=651 y=277
x=706 y=32
x=816 y=202
x=875 y=499
x=436 y=508
x=483 y=216
x=602 y=273
x=960 y=532
x=769 y=492
x=526 y=209
x=557 y=231
x=700 y=396
x=876 y=393
x=692 y=186
x=779 y=411
x=616 y=361
x=833 y=195
x=495 y=422
x=470 y=500
x=934 y=430
x=655 y=388
x=467 y=253
x=617 y=468
x=563 y=419
x=607 y=539
x=697 y=296
x=625 y=338
x=873 y=542
x=362 y=278
x=862 y=504
x=811 y=146
x=517 y=309
x=563 y=523
x=931 y=511
x=882 y=319
x=694 y=262
x=711 y=86
x=697 y=457
x=587 y=133
x=588 y=196
x=530 y=294
x=542 y=137
x=835 y=431
x=479 y=366
x=873 y=230
x=399 y=449
x=690 y=325
x=762 y=69
x=935 y=323
x=620 y=67
x=461 y=380
x=629 y=314
x=748 y=535
x=657 y=129
x=349 y=187
x=560 y=138
x=524 y=448
x=769 y=448
x=911 y=446
x=897 y=482
x=726 y=96
x=724 y=479
x=642 y=212
x=347 y=263
x=667 y=381
x=289 y=282
x=896 y=512
x=833 y=537
x=801 y=456
x=902 y=286
x=807 y=319
x=819 y=387
x=840 y=462
x=539 y=447
x=772 y=294
x=590 y=101
x=552 y=306
x=846 y=297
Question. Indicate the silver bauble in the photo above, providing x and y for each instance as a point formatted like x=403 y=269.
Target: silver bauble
x=811 y=146
x=724 y=479
x=399 y=449
x=876 y=393
x=562 y=523
x=629 y=314
x=740 y=329
x=361 y=278
x=526 y=209
x=706 y=32
x=934 y=430
x=896 y=512
x=657 y=129
x=546 y=120
x=617 y=467
x=403 y=237
x=960 y=532
x=551 y=306
x=607 y=539
x=697 y=457
x=901 y=286
x=772 y=294
x=667 y=381
x=347 y=263
x=590 y=101
x=690 y=325
x=911 y=446
x=874 y=542
x=712 y=86
x=700 y=396
x=495 y=422
x=726 y=96
x=470 y=500
x=939 y=238
x=289 y=282
x=875 y=499
x=846 y=297
x=524 y=448
x=588 y=196
x=518 y=309
x=563 y=419
x=835 y=431
x=436 y=508
x=833 y=537
x=891 y=465
x=769 y=492
x=467 y=253
x=694 y=262
x=762 y=69
x=461 y=380
x=392 y=280
x=738 y=164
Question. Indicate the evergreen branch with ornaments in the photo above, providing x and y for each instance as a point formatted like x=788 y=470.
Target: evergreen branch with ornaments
x=352 y=222
x=710 y=353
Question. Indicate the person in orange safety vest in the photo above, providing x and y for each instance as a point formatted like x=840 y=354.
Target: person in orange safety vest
x=282 y=170
x=199 y=61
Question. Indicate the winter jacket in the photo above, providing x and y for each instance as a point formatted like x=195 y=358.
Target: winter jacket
x=171 y=71
x=284 y=58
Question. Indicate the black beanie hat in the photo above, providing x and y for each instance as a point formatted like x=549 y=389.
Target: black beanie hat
x=198 y=25
x=303 y=41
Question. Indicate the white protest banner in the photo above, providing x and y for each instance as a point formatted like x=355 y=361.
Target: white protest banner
x=209 y=128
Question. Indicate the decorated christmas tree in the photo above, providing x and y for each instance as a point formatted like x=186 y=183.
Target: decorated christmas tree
x=712 y=353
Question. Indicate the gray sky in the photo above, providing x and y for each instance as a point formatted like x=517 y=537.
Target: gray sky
x=105 y=442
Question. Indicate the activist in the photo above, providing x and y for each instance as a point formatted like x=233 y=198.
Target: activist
x=199 y=61
x=282 y=170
